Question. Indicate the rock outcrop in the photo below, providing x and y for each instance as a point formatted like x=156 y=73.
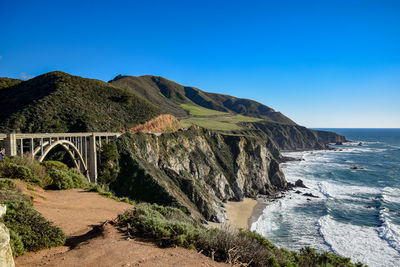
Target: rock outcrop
x=295 y=137
x=6 y=258
x=197 y=169
x=161 y=124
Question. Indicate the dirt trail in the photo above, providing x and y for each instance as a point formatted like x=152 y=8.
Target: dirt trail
x=76 y=212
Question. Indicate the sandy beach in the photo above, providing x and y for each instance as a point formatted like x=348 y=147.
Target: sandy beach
x=242 y=214
x=239 y=212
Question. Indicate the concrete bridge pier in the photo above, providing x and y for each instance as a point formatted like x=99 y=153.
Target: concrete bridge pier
x=11 y=145
x=92 y=160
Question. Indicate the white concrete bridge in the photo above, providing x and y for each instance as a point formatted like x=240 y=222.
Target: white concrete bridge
x=81 y=147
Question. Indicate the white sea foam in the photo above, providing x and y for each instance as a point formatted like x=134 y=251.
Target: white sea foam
x=279 y=216
x=391 y=195
x=283 y=224
x=359 y=243
x=389 y=231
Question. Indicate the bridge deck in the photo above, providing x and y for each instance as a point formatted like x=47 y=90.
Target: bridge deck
x=59 y=135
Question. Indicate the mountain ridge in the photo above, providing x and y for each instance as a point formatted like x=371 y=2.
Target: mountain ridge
x=180 y=94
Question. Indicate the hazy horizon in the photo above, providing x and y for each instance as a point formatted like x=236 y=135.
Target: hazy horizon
x=330 y=64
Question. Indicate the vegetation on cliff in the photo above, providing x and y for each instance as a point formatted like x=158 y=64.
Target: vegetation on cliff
x=59 y=102
x=171 y=227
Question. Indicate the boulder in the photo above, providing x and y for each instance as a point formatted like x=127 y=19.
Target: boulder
x=299 y=183
x=356 y=168
x=310 y=195
x=6 y=258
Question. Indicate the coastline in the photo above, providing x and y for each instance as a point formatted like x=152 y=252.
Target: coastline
x=257 y=211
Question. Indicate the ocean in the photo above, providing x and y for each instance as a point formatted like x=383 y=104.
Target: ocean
x=357 y=212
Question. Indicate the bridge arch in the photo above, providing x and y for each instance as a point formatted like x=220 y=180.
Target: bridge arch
x=70 y=148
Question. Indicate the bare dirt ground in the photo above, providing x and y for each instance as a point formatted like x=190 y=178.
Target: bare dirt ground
x=79 y=214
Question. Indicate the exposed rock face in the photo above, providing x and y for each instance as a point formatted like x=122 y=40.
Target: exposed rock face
x=6 y=258
x=161 y=124
x=197 y=169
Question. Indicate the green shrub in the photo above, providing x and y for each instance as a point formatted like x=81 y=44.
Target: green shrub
x=13 y=170
x=13 y=194
x=78 y=178
x=17 y=246
x=52 y=164
x=66 y=179
x=109 y=166
x=33 y=229
x=62 y=180
x=24 y=168
x=7 y=185
x=170 y=225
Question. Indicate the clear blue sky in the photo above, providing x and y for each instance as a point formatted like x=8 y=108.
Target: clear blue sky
x=322 y=63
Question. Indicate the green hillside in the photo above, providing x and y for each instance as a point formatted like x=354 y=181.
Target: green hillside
x=170 y=96
x=59 y=102
x=7 y=82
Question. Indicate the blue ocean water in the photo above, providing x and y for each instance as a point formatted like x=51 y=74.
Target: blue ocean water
x=357 y=212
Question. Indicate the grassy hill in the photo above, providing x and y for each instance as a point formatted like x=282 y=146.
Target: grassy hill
x=224 y=113
x=59 y=102
x=183 y=101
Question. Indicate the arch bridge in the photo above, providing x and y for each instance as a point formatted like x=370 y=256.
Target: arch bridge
x=82 y=147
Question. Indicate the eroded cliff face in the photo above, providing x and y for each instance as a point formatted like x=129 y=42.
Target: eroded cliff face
x=197 y=169
x=161 y=124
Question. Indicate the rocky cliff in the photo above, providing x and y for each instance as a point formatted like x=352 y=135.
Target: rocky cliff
x=295 y=137
x=197 y=169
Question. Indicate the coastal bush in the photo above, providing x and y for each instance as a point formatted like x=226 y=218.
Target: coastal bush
x=51 y=174
x=7 y=185
x=172 y=227
x=53 y=164
x=77 y=178
x=16 y=244
x=9 y=191
x=169 y=225
x=29 y=230
x=61 y=180
x=24 y=168
x=33 y=229
x=66 y=179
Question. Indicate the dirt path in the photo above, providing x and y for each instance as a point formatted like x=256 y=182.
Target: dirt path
x=76 y=212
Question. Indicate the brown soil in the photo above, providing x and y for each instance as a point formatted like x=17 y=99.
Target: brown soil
x=160 y=124
x=90 y=243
